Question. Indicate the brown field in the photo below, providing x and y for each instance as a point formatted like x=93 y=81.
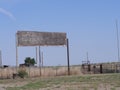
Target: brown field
x=6 y=73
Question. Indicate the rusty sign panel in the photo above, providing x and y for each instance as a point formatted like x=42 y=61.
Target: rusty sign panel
x=33 y=38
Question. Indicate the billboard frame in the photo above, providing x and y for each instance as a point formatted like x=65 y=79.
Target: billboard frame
x=67 y=49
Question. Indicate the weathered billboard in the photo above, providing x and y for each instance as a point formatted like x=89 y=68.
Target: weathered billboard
x=34 y=38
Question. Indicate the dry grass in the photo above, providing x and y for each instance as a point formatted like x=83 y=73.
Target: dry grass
x=55 y=78
x=44 y=71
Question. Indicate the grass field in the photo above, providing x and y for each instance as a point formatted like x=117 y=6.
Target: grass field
x=84 y=82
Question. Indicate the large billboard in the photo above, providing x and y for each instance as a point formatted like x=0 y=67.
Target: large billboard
x=34 y=38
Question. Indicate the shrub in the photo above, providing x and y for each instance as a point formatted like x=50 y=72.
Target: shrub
x=22 y=73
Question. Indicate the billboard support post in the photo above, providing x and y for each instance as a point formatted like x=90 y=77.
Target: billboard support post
x=36 y=61
x=68 y=61
x=40 y=60
x=16 y=55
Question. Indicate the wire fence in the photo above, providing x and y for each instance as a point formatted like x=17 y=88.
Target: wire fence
x=100 y=68
x=51 y=71
x=7 y=73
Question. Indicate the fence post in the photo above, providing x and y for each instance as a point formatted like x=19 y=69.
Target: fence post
x=101 y=68
x=89 y=67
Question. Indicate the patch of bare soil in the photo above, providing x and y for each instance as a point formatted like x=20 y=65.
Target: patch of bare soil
x=12 y=84
x=80 y=87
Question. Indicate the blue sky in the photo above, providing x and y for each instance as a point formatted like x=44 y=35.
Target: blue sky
x=89 y=24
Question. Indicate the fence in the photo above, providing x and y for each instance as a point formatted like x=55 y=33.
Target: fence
x=7 y=73
x=100 y=68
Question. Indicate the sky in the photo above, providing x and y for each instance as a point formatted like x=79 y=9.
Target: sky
x=89 y=24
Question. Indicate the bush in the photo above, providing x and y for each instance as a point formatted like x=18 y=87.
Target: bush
x=22 y=73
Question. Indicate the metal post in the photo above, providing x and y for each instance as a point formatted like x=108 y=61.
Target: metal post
x=68 y=57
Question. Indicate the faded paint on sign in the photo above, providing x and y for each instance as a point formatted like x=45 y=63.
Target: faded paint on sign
x=33 y=38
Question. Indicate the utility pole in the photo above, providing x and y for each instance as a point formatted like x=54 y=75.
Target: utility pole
x=118 y=41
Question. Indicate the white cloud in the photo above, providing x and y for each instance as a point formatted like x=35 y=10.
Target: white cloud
x=7 y=13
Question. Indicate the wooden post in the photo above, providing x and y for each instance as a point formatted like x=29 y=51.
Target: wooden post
x=40 y=60
x=89 y=67
x=94 y=69
x=68 y=62
x=36 y=55
x=101 y=68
